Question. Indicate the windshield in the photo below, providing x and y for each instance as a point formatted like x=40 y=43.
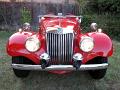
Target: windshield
x=65 y=9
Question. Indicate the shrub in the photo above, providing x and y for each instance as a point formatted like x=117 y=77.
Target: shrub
x=86 y=21
x=25 y=15
x=109 y=24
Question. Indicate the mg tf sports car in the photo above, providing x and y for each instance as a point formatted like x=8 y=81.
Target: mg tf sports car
x=60 y=47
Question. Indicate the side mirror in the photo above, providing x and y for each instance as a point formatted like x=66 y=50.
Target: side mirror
x=93 y=26
x=80 y=20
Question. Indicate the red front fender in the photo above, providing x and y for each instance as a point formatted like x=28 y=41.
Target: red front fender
x=16 y=46
x=103 y=46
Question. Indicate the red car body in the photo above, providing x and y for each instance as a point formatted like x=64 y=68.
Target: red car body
x=102 y=43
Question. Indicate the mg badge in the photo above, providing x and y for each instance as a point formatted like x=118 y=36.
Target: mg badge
x=60 y=31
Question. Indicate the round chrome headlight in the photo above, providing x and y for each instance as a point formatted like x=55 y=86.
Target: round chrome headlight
x=32 y=44
x=87 y=44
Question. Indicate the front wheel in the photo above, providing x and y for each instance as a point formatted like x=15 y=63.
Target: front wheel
x=98 y=74
x=20 y=60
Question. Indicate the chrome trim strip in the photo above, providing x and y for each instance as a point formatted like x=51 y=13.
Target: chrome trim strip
x=60 y=67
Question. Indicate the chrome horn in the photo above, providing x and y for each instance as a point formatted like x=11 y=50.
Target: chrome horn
x=26 y=26
x=93 y=26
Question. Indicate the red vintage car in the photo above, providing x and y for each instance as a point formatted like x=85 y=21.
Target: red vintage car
x=60 y=47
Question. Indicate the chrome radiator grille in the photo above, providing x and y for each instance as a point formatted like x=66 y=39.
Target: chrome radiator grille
x=60 y=47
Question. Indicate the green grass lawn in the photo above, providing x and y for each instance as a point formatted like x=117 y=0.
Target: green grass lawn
x=46 y=81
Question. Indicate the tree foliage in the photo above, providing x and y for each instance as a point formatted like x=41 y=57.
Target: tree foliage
x=82 y=4
x=25 y=15
x=102 y=6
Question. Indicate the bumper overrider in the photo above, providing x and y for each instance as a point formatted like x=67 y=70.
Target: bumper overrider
x=76 y=66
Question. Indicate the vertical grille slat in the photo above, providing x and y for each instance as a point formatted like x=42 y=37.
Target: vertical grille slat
x=65 y=49
x=60 y=47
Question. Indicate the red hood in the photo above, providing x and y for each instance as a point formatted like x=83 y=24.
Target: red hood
x=67 y=24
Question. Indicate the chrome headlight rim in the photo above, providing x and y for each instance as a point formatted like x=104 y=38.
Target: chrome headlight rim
x=36 y=41
x=86 y=38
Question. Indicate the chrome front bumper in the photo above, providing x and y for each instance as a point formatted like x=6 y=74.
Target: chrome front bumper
x=60 y=67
